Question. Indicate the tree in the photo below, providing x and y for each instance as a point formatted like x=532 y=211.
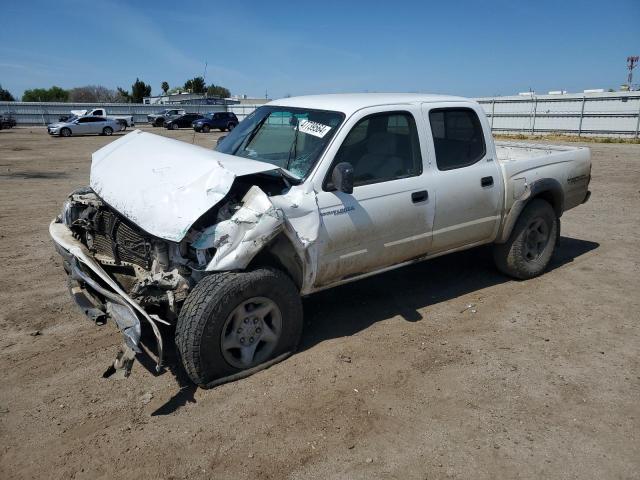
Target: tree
x=92 y=94
x=53 y=94
x=195 y=85
x=5 y=95
x=122 y=95
x=165 y=87
x=218 y=91
x=139 y=90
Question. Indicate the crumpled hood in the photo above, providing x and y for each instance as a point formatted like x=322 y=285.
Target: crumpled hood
x=165 y=185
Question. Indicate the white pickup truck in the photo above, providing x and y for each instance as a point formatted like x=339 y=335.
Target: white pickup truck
x=124 y=120
x=305 y=194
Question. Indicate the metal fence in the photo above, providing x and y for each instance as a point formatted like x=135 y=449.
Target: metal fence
x=35 y=113
x=603 y=114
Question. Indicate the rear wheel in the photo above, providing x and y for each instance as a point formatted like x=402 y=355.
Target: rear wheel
x=65 y=132
x=231 y=322
x=206 y=128
x=531 y=244
x=108 y=131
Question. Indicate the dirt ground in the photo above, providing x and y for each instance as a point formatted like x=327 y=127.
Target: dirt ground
x=396 y=377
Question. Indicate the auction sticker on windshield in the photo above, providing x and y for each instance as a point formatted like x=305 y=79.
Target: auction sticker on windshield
x=313 y=128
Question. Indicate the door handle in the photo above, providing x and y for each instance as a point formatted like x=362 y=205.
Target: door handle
x=421 y=196
x=486 y=181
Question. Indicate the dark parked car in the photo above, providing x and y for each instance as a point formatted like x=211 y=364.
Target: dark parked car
x=7 y=120
x=183 y=121
x=220 y=120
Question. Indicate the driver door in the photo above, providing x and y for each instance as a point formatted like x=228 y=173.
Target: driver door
x=389 y=216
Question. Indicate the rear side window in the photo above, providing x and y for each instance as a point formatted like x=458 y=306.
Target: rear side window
x=382 y=147
x=457 y=136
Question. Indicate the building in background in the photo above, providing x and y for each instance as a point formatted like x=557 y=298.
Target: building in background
x=187 y=98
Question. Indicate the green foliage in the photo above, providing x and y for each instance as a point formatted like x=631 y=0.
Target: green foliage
x=122 y=95
x=165 y=87
x=5 y=95
x=139 y=90
x=53 y=94
x=195 y=85
x=218 y=91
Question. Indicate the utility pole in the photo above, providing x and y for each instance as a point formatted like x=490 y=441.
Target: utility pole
x=632 y=61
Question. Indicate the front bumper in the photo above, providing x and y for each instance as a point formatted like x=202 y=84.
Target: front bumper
x=88 y=277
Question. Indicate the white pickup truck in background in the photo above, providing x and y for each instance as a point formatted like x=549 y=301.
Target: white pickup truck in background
x=124 y=120
x=305 y=194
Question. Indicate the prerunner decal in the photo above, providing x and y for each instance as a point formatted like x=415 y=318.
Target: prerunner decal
x=313 y=128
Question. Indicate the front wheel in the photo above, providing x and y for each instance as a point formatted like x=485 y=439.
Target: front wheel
x=231 y=322
x=65 y=132
x=231 y=126
x=532 y=242
x=174 y=126
x=206 y=128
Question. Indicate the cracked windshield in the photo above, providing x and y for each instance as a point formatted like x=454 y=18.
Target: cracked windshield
x=290 y=138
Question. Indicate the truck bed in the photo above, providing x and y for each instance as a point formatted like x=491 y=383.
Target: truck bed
x=515 y=151
x=525 y=163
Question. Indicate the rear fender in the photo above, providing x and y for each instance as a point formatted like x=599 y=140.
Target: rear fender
x=548 y=189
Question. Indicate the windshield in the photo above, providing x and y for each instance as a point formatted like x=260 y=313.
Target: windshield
x=290 y=138
x=72 y=118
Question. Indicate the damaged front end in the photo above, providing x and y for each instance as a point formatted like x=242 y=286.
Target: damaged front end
x=119 y=272
x=135 y=244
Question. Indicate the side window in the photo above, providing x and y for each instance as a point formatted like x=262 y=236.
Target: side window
x=382 y=147
x=457 y=136
x=84 y=120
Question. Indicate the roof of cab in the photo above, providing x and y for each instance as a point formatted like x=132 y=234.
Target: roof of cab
x=349 y=103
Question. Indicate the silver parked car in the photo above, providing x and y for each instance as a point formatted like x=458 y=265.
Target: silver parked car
x=84 y=126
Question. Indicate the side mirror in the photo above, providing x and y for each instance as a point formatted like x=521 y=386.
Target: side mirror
x=342 y=177
x=220 y=139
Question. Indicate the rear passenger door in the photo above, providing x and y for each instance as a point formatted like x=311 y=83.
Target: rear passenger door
x=96 y=124
x=388 y=217
x=467 y=178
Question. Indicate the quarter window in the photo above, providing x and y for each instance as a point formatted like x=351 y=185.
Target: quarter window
x=382 y=147
x=458 y=137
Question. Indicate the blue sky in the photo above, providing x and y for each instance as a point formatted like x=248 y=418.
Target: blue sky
x=469 y=48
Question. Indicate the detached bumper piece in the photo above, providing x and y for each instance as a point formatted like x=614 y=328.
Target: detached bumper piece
x=100 y=297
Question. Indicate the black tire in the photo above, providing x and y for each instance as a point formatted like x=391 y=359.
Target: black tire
x=532 y=242
x=65 y=132
x=206 y=128
x=108 y=131
x=231 y=126
x=159 y=122
x=174 y=126
x=205 y=320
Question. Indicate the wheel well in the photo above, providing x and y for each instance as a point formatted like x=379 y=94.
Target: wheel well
x=280 y=254
x=553 y=198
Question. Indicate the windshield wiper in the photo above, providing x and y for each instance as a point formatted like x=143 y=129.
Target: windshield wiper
x=253 y=133
x=294 y=147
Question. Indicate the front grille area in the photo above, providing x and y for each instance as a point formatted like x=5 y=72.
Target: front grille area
x=117 y=239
